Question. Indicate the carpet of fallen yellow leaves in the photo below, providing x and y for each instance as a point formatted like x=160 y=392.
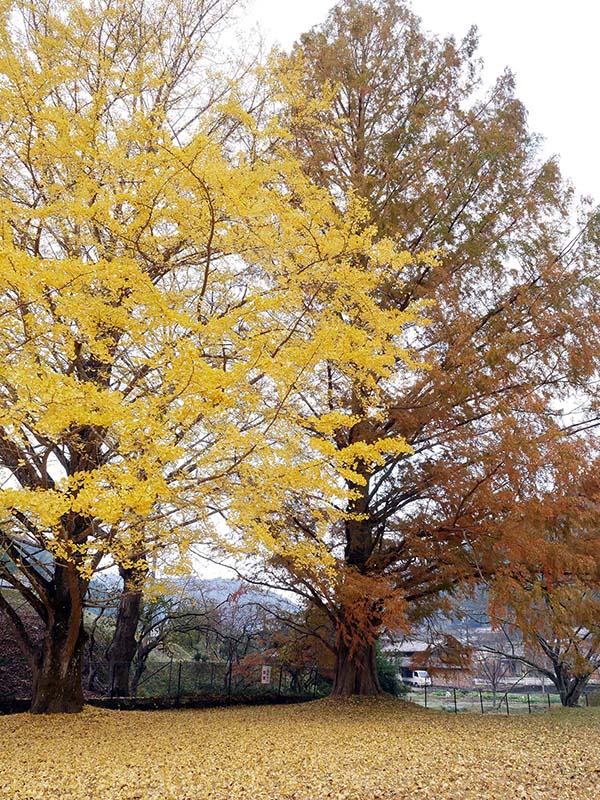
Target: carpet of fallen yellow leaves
x=358 y=750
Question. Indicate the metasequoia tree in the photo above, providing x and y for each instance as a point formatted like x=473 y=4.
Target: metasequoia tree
x=161 y=295
x=448 y=167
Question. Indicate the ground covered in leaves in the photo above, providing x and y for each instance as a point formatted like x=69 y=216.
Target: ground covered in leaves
x=358 y=750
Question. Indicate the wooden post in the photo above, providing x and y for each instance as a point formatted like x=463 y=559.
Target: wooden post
x=425 y=687
x=548 y=696
x=481 y=700
x=507 y=709
x=528 y=702
x=455 y=706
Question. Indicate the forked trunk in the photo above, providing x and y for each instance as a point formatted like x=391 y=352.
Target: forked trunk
x=570 y=687
x=356 y=671
x=57 y=665
x=570 y=699
x=571 y=690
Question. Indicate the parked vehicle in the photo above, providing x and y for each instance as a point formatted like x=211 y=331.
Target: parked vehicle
x=416 y=677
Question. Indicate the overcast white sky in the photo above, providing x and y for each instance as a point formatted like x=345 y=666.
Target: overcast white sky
x=552 y=46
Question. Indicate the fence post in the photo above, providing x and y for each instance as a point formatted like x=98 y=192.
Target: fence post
x=179 y=682
x=528 y=702
x=170 y=676
x=455 y=706
x=481 y=700
x=507 y=709
x=548 y=696
x=425 y=687
x=587 y=699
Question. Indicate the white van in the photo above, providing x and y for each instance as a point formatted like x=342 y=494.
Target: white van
x=416 y=677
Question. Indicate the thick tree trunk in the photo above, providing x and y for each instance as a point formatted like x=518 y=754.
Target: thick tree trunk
x=570 y=689
x=570 y=698
x=356 y=663
x=359 y=611
x=123 y=646
x=356 y=671
x=569 y=686
x=57 y=665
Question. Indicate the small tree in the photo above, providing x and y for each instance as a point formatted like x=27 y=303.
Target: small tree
x=552 y=597
x=492 y=667
x=557 y=636
x=170 y=619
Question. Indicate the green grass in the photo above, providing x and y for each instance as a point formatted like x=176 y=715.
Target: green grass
x=469 y=701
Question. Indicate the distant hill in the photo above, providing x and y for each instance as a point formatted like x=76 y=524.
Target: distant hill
x=215 y=590
x=219 y=590
x=472 y=612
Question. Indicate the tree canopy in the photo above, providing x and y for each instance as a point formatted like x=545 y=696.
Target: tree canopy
x=160 y=295
x=505 y=389
x=339 y=300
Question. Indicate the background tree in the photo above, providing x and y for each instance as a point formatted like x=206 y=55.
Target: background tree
x=167 y=620
x=441 y=164
x=560 y=647
x=544 y=604
x=493 y=667
x=551 y=601
x=301 y=643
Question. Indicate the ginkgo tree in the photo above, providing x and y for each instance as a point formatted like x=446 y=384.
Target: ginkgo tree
x=163 y=293
x=510 y=352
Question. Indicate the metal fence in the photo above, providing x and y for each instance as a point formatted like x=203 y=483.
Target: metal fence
x=482 y=701
x=178 y=678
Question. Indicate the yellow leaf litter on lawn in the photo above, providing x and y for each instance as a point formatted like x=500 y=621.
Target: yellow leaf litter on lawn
x=358 y=750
